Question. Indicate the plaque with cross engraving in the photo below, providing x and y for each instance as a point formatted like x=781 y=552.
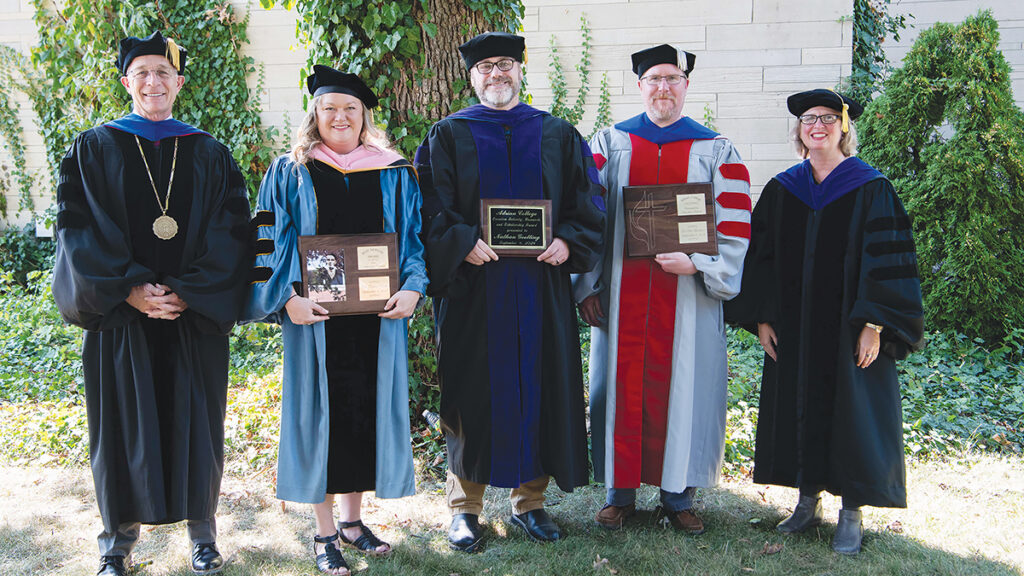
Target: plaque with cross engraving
x=669 y=218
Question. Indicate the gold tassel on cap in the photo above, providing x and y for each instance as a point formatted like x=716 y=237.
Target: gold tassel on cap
x=173 y=54
x=524 y=55
x=846 y=112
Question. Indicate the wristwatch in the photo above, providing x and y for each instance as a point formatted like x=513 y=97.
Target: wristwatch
x=877 y=328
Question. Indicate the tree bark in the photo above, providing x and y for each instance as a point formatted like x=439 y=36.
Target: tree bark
x=429 y=90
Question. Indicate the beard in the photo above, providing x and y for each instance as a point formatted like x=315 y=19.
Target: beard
x=498 y=92
x=663 y=109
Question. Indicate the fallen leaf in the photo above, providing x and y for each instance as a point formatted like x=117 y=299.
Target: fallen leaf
x=745 y=569
x=754 y=521
x=896 y=527
x=600 y=562
x=772 y=548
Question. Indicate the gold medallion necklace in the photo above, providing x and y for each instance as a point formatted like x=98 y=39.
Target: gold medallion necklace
x=164 y=227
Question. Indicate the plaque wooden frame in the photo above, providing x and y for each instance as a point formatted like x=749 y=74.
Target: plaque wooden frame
x=365 y=272
x=654 y=224
x=487 y=226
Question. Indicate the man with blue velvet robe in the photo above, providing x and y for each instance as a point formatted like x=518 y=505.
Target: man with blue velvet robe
x=512 y=405
x=152 y=245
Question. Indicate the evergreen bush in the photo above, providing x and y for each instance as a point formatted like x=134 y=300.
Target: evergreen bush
x=947 y=133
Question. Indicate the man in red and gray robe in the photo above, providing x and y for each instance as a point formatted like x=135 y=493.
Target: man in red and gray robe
x=658 y=372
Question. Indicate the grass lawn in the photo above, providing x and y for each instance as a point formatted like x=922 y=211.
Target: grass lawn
x=965 y=518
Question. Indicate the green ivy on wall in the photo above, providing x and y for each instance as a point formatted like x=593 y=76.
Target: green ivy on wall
x=78 y=84
x=13 y=67
x=872 y=23
x=391 y=45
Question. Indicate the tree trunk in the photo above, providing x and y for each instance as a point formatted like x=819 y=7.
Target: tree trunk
x=430 y=91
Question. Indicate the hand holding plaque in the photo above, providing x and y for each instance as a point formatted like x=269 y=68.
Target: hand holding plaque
x=669 y=218
x=349 y=273
x=515 y=227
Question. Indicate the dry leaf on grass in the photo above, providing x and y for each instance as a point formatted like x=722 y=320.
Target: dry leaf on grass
x=896 y=527
x=603 y=562
x=771 y=548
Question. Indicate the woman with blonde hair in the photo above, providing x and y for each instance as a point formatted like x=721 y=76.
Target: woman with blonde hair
x=344 y=407
x=830 y=287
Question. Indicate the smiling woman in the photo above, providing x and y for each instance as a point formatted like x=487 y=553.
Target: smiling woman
x=830 y=287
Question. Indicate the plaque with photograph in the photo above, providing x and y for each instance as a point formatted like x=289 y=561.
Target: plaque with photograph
x=669 y=218
x=515 y=227
x=349 y=273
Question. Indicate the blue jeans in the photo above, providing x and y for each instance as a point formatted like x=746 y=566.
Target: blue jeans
x=670 y=501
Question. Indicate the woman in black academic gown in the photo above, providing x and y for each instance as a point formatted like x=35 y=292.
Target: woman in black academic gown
x=345 y=403
x=830 y=286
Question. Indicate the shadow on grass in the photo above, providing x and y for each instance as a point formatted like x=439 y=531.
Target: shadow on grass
x=261 y=540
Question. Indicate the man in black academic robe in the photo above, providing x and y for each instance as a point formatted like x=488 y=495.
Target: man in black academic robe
x=152 y=236
x=512 y=404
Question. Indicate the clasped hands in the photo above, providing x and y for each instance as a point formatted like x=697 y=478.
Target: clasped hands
x=556 y=254
x=156 y=301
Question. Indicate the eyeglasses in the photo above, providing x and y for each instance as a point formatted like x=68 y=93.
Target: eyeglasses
x=161 y=73
x=810 y=119
x=672 y=79
x=485 y=68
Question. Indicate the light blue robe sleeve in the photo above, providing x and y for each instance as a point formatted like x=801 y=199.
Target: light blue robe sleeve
x=277 y=263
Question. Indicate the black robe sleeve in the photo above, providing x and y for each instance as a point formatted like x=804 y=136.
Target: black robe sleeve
x=888 y=289
x=94 y=270
x=214 y=284
x=757 y=301
x=447 y=237
x=581 y=215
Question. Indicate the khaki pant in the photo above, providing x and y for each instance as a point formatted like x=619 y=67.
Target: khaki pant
x=467 y=497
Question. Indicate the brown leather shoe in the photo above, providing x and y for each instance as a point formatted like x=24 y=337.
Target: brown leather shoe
x=613 y=517
x=684 y=521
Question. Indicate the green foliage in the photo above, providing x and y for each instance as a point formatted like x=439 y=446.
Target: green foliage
x=82 y=37
x=383 y=42
x=560 y=87
x=948 y=134
x=957 y=393
x=42 y=356
x=12 y=71
x=872 y=23
x=21 y=252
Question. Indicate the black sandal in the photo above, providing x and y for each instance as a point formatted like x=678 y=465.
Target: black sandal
x=367 y=542
x=330 y=560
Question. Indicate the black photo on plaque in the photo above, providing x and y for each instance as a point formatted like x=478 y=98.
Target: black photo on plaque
x=516 y=227
x=669 y=218
x=349 y=273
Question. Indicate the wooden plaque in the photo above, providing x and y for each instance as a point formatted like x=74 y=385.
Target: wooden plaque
x=669 y=218
x=515 y=227
x=349 y=273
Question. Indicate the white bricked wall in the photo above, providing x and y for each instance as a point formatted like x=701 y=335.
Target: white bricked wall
x=751 y=54
x=1009 y=14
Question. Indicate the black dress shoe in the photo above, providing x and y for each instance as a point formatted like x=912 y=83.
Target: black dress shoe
x=465 y=534
x=112 y=566
x=538 y=525
x=206 y=559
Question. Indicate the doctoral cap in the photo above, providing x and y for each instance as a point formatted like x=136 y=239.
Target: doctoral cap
x=663 y=54
x=803 y=101
x=327 y=80
x=132 y=47
x=491 y=44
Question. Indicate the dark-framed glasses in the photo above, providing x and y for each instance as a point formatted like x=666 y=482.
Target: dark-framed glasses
x=810 y=119
x=671 y=79
x=505 y=64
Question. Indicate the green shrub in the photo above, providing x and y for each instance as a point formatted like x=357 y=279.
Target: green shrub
x=21 y=252
x=947 y=133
